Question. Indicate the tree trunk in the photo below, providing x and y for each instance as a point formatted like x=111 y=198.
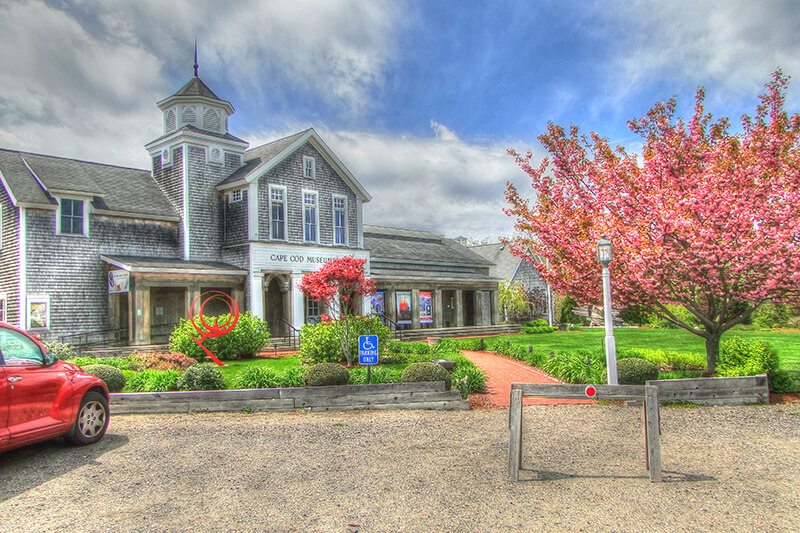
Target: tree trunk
x=712 y=351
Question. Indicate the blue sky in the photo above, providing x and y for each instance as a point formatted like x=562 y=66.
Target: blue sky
x=420 y=99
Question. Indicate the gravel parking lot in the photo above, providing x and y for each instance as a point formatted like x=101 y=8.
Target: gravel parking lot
x=726 y=469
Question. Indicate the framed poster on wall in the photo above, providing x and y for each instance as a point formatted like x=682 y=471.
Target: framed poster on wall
x=378 y=304
x=38 y=312
x=403 y=307
x=425 y=308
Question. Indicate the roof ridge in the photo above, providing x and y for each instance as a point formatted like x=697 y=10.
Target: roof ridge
x=298 y=134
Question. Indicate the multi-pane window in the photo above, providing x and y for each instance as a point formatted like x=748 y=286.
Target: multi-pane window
x=236 y=195
x=339 y=220
x=309 y=167
x=277 y=209
x=310 y=216
x=72 y=216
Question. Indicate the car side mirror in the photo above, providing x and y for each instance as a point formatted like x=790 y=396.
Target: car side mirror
x=49 y=359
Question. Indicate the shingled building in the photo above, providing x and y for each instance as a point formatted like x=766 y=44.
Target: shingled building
x=88 y=247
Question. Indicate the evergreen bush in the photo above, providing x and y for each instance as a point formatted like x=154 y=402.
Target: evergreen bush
x=416 y=372
x=201 y=377
x=113 y=377
x=323 y=374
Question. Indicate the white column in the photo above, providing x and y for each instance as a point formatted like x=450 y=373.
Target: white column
x=257 y=295
x=298 y=310
x=611 y=345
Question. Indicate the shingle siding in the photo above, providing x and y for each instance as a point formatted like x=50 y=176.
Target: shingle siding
x=289 y=173
x=236 y=220
x=170 y=181
x=81 y=304
x=9 y=257
x=239 y=256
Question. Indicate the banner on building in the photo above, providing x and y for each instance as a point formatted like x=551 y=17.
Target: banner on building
x=118 y=281
x=403 y=307
x=425 y=308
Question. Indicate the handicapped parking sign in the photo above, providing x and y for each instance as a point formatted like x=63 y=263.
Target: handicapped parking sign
x=368 y=349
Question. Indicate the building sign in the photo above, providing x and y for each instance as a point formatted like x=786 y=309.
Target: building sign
x=425 y=308
x=403 y=307
x=118 y=281
x=378 y=304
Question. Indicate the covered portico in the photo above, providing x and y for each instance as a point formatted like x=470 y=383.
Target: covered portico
x=148 y=296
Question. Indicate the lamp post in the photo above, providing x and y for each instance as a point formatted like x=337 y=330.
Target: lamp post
x=604 y=256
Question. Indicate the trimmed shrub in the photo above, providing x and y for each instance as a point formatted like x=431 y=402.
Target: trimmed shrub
x=121 y=363
x=782 y=382
x=243 y=342
x=115 y=380
x=635 y=371
x=531 y=330
x=538 y=323
x=666 y=360
x=325 y=374
x=417 y=372
x=61 y=350
x=153 y=381
x=201 y=377
x=740 y=357
x=162 y=361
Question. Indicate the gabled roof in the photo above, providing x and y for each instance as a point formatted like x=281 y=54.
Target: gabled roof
x=261 y=159
x=505 y=262
x=415 y=246
x=34 y=180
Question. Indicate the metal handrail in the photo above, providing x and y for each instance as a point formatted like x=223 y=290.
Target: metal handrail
x=82 y=340
x=397 y=330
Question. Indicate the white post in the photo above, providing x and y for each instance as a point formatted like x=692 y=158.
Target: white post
x=608 y=318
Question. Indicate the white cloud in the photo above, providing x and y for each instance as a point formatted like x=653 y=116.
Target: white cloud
x=735 y=44
x=440 y=184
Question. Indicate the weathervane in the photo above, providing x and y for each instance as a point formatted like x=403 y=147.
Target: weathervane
x=195 y=57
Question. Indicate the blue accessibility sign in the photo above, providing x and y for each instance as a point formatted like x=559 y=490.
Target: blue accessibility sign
x=368 y=350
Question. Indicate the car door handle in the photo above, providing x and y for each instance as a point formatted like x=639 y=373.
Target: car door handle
x=15 y=378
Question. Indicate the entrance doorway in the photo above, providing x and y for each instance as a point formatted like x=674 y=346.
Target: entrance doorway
x=469 y=308
x=274 y=303
x=167 y=307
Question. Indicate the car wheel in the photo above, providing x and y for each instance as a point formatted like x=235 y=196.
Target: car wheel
x=92 y=420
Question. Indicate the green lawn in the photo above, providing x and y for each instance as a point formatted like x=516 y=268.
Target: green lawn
x=678 y=340
x=235 y=367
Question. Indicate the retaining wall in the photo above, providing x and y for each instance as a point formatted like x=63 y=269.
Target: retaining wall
x=430 y=395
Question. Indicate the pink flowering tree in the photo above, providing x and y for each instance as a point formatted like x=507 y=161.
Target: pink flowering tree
x=704 y=218
x=339 y=285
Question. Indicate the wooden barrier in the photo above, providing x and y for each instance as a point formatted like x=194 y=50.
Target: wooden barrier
x=427 y=395
x=646 y=393
x=743 y=390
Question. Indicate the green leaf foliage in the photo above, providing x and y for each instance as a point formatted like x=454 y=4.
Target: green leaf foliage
x=636 y=371
x=246 y=339
x=153 y=381
x=325 y=374
x=416 y=372
x=201 y=377
x=113 y=377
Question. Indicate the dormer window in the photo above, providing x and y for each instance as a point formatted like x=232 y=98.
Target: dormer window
x=71 y=217
x=309 y=167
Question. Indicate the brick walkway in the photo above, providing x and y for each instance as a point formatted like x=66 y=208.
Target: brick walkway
x=502 y=371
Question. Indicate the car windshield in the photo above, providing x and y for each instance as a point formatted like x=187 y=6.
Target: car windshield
x=18 y=349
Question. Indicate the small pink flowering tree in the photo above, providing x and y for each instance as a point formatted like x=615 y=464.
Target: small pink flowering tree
x=339 y=284
x=708 y=219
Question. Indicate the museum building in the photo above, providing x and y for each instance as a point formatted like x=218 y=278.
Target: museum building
x=88 y=248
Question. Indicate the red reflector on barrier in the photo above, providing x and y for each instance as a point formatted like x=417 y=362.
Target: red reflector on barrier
x=590 y=391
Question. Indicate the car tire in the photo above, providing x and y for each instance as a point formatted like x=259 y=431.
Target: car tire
x=92 y=420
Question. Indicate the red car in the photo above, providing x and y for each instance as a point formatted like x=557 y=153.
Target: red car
x=42 y=398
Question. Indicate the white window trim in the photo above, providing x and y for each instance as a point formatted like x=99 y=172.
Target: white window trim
x=346 y=220
x=45 y=299
x=232 y=197
x=313 y=161
x=316 y=214
x=2 y=227
x=285 y=214
x=85 y=217
x=4 y=310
